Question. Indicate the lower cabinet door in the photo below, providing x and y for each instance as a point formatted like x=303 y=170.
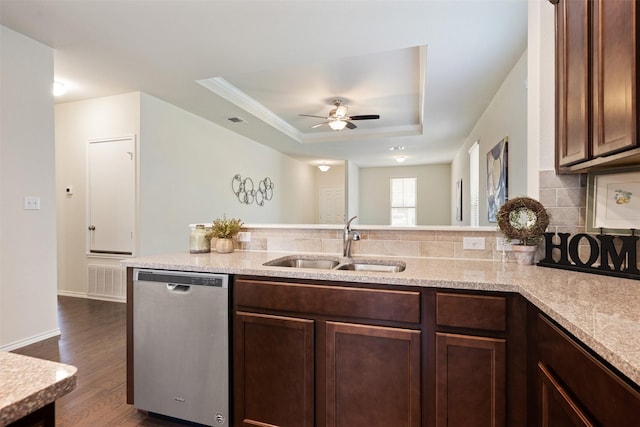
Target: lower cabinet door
x=470 y=381
x=274 y=371
x=557 y=407
x=372 y=376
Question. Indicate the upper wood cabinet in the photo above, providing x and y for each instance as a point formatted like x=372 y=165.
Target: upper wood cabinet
x=572 y=81
x=596 y=84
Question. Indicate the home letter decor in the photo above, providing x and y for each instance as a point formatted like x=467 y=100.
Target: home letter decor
x=604 y=258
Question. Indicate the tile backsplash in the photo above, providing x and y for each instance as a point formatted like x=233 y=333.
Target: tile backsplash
x=422 y=243
x=564 y=196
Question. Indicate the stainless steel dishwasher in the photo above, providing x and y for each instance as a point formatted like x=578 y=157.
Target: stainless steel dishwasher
x=181 y=345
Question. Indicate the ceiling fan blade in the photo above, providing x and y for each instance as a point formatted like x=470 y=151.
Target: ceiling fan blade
x=350 y=125
x=365 y=117
x=311 y=115
x=317 y=125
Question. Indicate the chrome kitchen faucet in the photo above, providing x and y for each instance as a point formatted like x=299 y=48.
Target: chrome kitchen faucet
x=348 y=237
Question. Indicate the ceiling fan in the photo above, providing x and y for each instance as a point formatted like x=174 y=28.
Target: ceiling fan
x=338 y=118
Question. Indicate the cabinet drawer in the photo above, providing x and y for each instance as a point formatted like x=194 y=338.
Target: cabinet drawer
x=328 y=300
x=471 y=311
x=609 y=400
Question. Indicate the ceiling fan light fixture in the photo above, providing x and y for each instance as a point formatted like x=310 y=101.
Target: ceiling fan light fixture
x=341 y=111
x=324 y=168
x=337 y=124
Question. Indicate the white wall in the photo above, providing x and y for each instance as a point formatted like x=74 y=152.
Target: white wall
x=352 y=176
x=541 y=117
x=28 y=238
x=75 y=124
x=186 y=169
x=434 y=200
x=506 y=115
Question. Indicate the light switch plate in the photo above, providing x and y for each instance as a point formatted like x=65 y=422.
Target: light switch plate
x=473 y=243
x=31 y=203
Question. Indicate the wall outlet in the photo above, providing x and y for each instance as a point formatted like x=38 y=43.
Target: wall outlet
x=31 y=203
x=473 y=243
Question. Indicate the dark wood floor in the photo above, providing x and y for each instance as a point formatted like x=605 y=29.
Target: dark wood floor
x=93 y=340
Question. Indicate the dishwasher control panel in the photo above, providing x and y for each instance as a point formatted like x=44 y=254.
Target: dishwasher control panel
x=194 y=279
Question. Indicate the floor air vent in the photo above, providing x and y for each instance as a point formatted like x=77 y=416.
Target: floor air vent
x=107 y=282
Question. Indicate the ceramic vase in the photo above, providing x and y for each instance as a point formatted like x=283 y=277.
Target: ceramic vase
x=224 y=246
x=524 y=254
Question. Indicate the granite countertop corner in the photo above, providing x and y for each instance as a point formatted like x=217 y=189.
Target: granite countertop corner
x=28 y=384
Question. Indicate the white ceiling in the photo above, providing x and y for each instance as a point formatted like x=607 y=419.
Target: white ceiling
x=429 y=67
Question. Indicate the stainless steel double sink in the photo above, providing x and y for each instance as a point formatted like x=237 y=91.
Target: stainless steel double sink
x=335 y=263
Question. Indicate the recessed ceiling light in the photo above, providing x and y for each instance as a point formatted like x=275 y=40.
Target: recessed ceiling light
x=396 y=148
x=400 y=159
x=324 y=168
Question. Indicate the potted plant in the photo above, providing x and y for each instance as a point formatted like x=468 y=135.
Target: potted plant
x=523 y=219
x=224 y=229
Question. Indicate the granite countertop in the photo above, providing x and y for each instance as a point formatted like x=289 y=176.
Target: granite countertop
x=28 y=384
x=603 y=312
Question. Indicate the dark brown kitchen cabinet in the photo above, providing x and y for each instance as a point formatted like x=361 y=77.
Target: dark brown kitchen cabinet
x=614 y=48
x=372 y=376
x=572 y=81
x=557 y=407
x=596 y=84
x=275 y=381
x=480 y=361
x=571 y=387
x=325 y=354
x=470 y=380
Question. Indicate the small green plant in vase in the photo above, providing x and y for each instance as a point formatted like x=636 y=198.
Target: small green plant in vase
x=223 y=230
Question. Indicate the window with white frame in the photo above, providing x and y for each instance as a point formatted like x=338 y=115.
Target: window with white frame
x=403 y=201
x=474 y=184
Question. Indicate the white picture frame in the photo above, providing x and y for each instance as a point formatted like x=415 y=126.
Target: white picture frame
x=613 y=201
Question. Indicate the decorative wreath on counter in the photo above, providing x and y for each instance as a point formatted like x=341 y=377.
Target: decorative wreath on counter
x=510 y=215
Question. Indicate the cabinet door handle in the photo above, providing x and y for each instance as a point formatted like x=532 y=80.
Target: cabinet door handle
x=92 y=227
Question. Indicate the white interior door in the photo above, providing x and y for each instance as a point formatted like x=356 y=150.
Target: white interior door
x=331 y=204
x=111 y=198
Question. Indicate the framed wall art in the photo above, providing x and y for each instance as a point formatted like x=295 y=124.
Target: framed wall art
x=613 y=201
x=496 y=178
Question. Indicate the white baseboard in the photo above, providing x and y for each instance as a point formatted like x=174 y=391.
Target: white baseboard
x=31 y=340
x=88 y=296
x=73 y=294
x=106 y=298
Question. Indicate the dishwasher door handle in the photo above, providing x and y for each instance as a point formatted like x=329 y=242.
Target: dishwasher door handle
x=178 y=288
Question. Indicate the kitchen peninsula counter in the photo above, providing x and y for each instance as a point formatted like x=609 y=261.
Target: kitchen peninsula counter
x=28 y=384
x=600 y=311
